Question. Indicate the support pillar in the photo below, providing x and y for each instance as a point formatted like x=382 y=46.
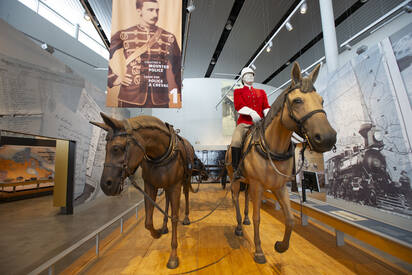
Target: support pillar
x=329 y=35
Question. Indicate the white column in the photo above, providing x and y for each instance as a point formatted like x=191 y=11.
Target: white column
x=329 y=35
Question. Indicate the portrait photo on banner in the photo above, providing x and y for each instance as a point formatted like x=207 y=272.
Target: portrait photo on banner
x=145 y=54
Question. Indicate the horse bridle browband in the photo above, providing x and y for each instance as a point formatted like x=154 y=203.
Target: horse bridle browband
x=299 y=122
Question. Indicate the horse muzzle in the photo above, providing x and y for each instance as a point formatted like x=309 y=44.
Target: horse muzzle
x=323 y=142
x=111 y=187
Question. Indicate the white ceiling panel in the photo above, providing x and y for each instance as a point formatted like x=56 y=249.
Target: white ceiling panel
x=103 y=11
x=206 y=25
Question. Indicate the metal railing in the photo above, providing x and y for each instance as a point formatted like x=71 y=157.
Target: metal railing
x=49 y=265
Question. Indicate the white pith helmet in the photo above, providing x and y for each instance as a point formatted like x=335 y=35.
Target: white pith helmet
x=246 y=70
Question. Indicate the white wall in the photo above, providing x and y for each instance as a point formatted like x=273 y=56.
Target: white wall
x=199 y=121
x=27 y=21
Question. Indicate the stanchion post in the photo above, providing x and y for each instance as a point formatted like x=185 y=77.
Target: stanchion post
x=97 y=244
x=51 y=270
x=121 y=225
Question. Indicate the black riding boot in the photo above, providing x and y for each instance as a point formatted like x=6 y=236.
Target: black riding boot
x=235 y=162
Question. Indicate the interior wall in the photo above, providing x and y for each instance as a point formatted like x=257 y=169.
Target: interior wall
x=27 y=21
x=199 y=120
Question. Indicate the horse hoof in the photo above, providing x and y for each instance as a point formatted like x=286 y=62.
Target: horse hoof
x=186 y=221
x=156 y=234
x=239 y=232
x=260 y=258
x=280 y=248
x=246 y=221
x=173 y=263
x=165 y=230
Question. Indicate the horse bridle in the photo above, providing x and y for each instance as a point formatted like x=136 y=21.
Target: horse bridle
x=299 y=122
x=124 y=164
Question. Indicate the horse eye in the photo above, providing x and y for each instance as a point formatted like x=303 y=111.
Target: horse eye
x=116 y=149
x=297 y=100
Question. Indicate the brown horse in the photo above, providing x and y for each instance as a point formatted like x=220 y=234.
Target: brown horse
x=267 y=153
x=166 y=160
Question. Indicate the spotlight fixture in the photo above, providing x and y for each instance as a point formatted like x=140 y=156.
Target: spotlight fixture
x=253 y=66
x=304 y=8
x=213 y=62
x=47 y=48
x=348 y=47
x=287 y=63
x=228 y=25
x=289 y=26
x=408 y=7
x=361 y=49
x=269 y=47
x=191 y=7
x=363 y=1
x=86 y=16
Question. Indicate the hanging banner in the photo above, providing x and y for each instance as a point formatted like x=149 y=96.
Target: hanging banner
x=145 y=55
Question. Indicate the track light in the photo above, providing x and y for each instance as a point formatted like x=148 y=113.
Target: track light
x=269 y=47
x=348 y=47
x=47 y=48
x=228 y=25
x=86 y=16
x=289 y=26
x=253 y=66
x=304 y=8
x=191 y=7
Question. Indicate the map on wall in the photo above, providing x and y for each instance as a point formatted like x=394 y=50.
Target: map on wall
x=24 y=163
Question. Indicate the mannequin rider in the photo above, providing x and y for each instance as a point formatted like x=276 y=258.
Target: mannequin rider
x=251 y=105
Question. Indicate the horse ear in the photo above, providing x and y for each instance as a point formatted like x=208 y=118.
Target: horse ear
x=296 y=75
x=112 y=122
x=314 y=74
x=101 y=125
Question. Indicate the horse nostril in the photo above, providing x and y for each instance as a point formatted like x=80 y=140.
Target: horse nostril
x=109 y=182
x=318 y=138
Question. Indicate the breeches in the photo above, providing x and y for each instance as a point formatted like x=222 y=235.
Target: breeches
x=237 y=137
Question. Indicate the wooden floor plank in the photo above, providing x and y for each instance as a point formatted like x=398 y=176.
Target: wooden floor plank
x=211 y=247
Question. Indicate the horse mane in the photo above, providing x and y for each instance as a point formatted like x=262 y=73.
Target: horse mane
x=148 y=122
x=305 y=86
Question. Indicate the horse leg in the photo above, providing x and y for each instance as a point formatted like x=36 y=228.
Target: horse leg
x=152 y=192
x=246 y=220
x=174 y=193
x=164 y=229
x=186 y=220
x=283 y=197
x=235 y=199
x=256 y=195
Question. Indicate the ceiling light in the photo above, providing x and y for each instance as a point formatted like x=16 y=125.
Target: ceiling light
x=253 y=66
x=47 y=48
x=408 y=7
x=269 y=47
x=304 y=8
x=86 y=16
x=288 y=63
x=348 y=47
x=191 y=7
x=228 y=25
x=213 y=62
x=289 y=26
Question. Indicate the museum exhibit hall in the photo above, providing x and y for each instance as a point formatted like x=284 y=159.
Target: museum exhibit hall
x=205 y=137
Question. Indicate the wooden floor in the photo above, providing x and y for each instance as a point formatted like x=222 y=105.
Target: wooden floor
x=210 y=246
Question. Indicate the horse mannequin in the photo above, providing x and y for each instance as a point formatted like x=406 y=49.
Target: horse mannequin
x=298 y=109
x=164 y=158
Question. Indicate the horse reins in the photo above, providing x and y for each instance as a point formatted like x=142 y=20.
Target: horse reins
x=165 y=157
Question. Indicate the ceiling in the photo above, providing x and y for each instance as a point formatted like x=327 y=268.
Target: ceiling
x=257 y=20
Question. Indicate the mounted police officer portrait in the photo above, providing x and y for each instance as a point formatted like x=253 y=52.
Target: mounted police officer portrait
x=145 y=59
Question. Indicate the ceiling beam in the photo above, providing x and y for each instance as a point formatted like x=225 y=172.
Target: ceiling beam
x=237 y=6
x=96 y=23
x=317 y=38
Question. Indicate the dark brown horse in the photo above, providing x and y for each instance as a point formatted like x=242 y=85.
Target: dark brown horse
x=267 y=163
x=166 y=160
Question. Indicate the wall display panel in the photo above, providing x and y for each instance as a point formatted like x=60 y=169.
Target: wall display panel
x=402 y=48
x=26 y=170
x=372 y=162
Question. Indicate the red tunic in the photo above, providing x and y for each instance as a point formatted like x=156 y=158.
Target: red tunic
x=255 y=99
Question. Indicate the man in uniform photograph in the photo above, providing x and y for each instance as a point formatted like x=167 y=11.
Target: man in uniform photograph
x=145 y=62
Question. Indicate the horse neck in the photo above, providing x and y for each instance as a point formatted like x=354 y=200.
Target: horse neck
x=278 y=136
x=156 y=141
